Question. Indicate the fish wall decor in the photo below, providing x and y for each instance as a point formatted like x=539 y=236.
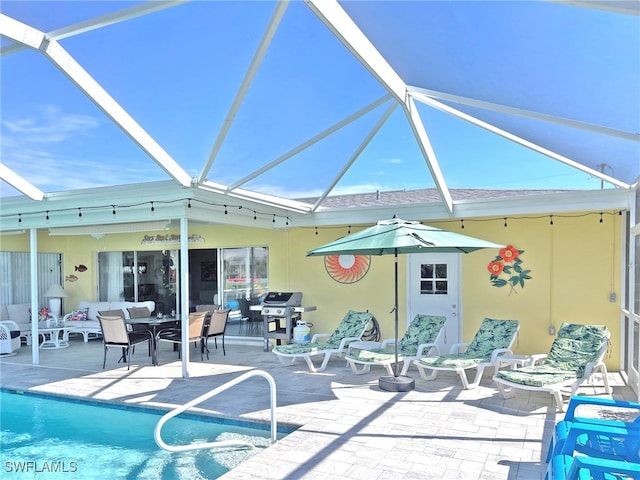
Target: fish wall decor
x=70 y=278
x=80 y=268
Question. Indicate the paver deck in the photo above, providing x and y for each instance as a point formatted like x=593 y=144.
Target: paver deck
x=348 y=427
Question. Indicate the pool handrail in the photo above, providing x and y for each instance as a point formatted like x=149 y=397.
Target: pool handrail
x=157 y=435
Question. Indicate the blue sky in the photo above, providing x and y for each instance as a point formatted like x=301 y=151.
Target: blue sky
x=176 y=72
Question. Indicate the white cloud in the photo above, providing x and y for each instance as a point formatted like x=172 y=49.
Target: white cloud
x=47 y=124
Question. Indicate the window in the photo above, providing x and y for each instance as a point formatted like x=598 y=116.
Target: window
x=433 y=279
x=15 y=276
x=139 y=276
x=245 y=273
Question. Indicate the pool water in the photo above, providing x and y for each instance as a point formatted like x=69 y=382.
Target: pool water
x=50 y=437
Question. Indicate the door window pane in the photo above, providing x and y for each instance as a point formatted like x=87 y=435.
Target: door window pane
x=434 y=279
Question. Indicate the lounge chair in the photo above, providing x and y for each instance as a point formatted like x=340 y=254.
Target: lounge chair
x=419 y=339
x=351 y=329
x=493 y=339
x=576 y=355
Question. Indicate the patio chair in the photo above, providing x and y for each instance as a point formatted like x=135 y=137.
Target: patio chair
x=9 y=337
x=196 y=333
x=419 y=339
x=115 y=334
x=350 y=329
x=576 y=355
x=215 y=328
x=602 y=411
x=493 y=339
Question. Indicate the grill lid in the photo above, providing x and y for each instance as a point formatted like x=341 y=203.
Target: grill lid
x=291 y=299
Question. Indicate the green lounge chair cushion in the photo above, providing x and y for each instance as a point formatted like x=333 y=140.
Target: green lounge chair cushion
x=423 y=329
x=492 y=335
x=352 y=325
x=571 y=351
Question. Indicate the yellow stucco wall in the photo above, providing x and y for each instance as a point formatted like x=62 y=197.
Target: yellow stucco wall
x=575 y=266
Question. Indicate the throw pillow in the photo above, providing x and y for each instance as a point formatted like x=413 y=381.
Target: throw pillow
x=79 y=315
x=139 y=312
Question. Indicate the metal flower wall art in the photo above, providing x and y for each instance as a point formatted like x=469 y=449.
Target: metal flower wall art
x=506 y=269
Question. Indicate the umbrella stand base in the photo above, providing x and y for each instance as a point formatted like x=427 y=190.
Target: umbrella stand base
x=401 y=383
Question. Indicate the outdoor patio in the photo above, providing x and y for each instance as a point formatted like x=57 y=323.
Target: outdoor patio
x=348 y=427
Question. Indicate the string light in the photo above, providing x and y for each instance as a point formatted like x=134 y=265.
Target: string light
x=226 y=207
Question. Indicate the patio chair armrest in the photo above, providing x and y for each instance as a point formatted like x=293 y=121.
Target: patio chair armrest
x=578 y=429
x=601 y=465
x=458 y=348
x=500 y=352
x=347 y=340
x=6 y=329
x=577 y=400
x=424 y=348
x=387 y=341
x=590 y=367
x=10 y=325
x=315 y=337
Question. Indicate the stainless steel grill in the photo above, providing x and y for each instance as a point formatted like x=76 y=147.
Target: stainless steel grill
x=280 y=312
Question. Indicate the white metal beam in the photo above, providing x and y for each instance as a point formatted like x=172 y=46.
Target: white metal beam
x=19 y=183
x=274 y=22
x=311 y=141
x=99 y=22
x=33 y=38
x=356 y=153
x=521 y=141
x=494 y=107
x=20 y=32
x=92 y=89
x=344 y=28
x=427 y=152
x=628 y=7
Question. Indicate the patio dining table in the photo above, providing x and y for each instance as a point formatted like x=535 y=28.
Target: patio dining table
x=154 y=325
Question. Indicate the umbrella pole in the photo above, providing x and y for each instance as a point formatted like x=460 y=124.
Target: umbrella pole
x=396 y=383
x=395 y=309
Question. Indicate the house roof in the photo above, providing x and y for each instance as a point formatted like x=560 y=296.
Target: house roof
x=309 y=99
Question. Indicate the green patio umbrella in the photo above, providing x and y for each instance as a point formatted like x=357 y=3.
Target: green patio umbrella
x=391 y=237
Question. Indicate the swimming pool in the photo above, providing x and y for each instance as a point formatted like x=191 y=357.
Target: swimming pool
x=53 y=437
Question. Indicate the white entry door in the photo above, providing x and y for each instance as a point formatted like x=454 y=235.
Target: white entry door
x=433 y=288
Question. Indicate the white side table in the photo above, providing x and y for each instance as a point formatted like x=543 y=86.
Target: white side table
x=514 y=361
